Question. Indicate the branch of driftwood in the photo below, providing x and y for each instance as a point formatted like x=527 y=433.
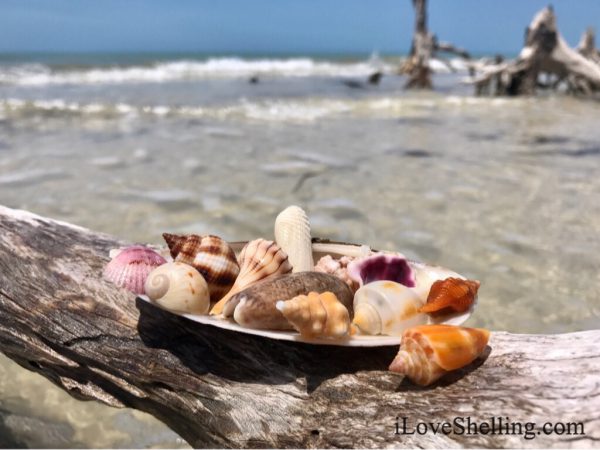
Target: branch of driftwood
x=59 y=318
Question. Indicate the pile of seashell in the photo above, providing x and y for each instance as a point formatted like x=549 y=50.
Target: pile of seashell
x=275 y=285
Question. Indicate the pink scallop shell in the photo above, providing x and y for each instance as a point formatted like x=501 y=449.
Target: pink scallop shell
x=130 y=268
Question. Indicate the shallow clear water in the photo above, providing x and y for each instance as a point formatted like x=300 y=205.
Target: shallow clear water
x=502 y=190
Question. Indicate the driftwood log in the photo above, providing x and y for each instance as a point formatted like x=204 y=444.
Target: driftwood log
x=545 y=53
x=220 y=388
x=425 y=46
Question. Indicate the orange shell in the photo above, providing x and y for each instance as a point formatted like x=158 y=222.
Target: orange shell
x=428 y=352
x=452 y=293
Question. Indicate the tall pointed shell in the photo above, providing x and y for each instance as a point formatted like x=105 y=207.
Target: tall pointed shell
x=130 y=267
x=428 y=352
x=259 y=260
x=211 y=256
x=316 y=315
x=388 y=308
x=292 y=234
x=178 y=287
x=254 y=307
x=453 y=294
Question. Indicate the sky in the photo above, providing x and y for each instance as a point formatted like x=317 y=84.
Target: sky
x=277 y=27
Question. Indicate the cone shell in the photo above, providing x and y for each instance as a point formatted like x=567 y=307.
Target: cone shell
x=316 y=315
x=381 y=267
x=254 y=307
x=131 y=266
x=388 y=308
x=178 y=287
x=259 y=260
x=211 y=256
x=452 y=293
x=292 y=234
x=430 y=351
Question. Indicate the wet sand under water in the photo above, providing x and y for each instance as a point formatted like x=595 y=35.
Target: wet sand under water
x=504 y=191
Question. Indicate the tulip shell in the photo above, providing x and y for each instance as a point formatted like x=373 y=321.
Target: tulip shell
x=131 y=266
x=428 y=352
x=387 y=307
x=211 y=256
x=316 y=315
x=381 y=266
x=254 y=307
x=178 y=287
x=259 y=260
x=453 y=294
x=292 y=234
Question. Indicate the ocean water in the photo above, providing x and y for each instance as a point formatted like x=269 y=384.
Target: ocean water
x=502 y=190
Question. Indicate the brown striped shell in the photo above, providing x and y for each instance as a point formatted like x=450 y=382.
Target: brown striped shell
x=259 y=260
x=211 y=256
x=452 y=293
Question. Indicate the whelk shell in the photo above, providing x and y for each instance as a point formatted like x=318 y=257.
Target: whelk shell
x=254 y=307
x=292 y=234
x=428 y=352
x=211 y=256
x=131 y=266
x=178 y=287
x=316 y=315
x=452 y=293
x=388 y=308
x=259 y=260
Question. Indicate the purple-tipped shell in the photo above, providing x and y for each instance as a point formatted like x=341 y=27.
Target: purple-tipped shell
x=130 y=268
x=381 y=267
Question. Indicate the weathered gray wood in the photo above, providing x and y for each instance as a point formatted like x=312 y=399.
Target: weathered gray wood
x=221 y=388
x=424 y=47
x=545 y=52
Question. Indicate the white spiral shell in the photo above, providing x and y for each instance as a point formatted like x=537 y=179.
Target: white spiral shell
x=292 y=234
x=178 y=287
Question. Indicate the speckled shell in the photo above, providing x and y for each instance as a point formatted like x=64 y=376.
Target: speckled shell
x=178 y=287
x=381 y=266
x=131 y=266
x=388 y=308
x=211 y=256
x=451 y=294
x=430 y=351
x=259 y=260
x=254 y=307
x=292 y=234
x=316 y=315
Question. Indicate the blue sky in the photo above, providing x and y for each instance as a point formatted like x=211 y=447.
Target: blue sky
x=273 y=26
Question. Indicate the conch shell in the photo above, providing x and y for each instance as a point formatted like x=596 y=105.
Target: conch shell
x=381 y=267
x=130 y=267
x=254 y=307
x=178 y=287
x=316 y=315
x=259 y=260
x=452 y=293
x=428 y=352
x=209 y=255
x=292 y=234
x=387 y=307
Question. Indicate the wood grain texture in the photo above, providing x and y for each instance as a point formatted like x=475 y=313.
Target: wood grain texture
x=216 y=388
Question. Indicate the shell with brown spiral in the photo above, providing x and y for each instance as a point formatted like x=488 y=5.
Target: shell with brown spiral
x=428 y=352
x=211 y=256
x=453 y=294
x=259 y=260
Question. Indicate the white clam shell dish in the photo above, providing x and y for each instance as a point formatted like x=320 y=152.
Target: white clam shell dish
x=321 y=248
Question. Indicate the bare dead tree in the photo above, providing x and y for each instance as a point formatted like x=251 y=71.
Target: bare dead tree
x=424 y=48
